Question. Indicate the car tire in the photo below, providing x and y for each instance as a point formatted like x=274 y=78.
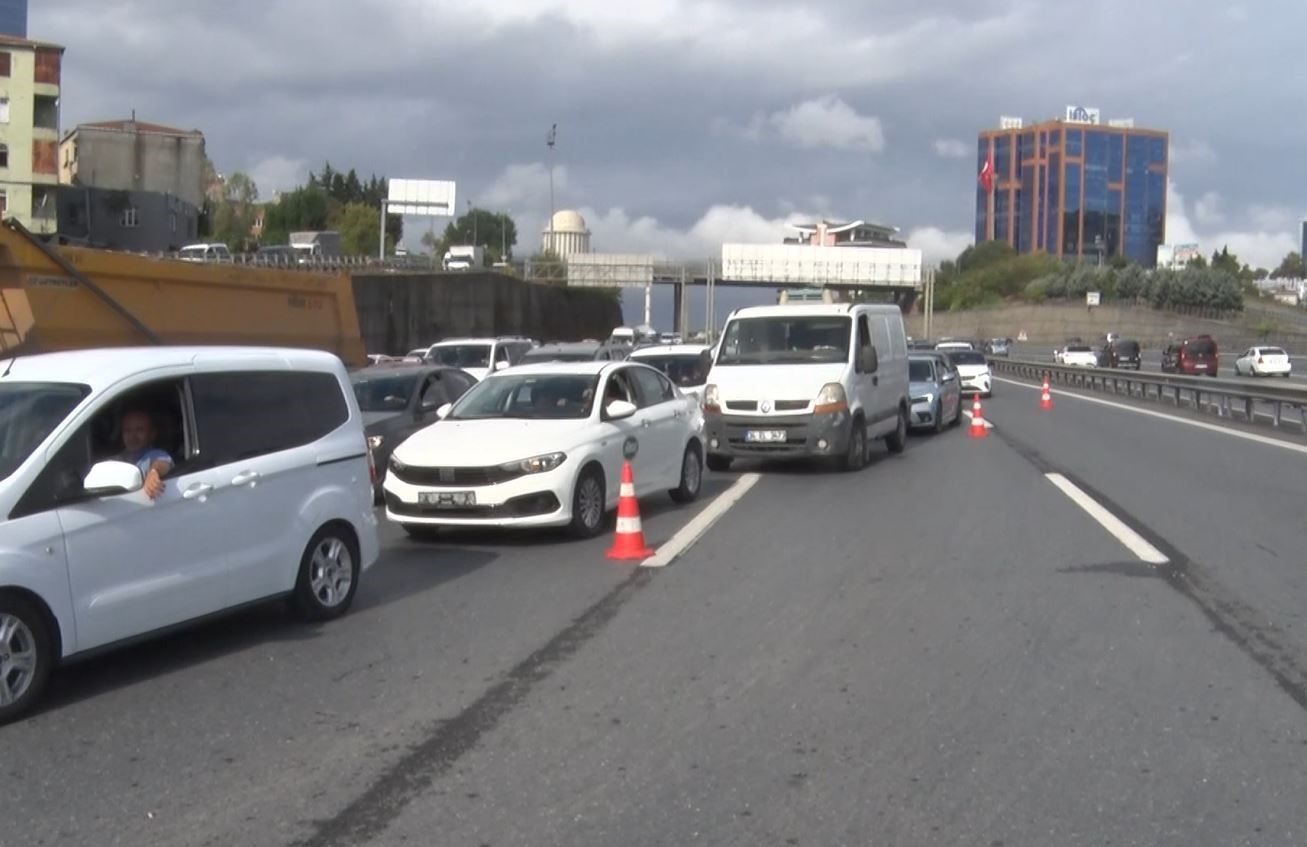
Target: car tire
x=421 y=532
x=897 y=441
x=588 y=504
x=329 y=574
x=939 y=417
x=26 y=655
x=720 y=464
x=855 y=457
x=691 y=476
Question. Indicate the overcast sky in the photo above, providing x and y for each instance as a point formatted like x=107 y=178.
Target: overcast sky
x=682 y=124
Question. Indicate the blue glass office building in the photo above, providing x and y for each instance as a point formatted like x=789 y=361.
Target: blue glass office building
x=13 y=18
x=1076 y=191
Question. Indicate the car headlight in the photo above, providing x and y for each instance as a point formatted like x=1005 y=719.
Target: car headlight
x=375 y=441
x=712 y=398
x=924 y=398
x=536 y=464
x=831 y=398
x=396 y=465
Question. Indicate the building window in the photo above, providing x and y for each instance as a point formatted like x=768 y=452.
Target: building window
x=5 y=58
x=4 y=155
x=130 y=218
x=4 y=202
x=4 y=110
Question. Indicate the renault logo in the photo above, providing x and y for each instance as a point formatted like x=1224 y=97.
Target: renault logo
x=765 y=406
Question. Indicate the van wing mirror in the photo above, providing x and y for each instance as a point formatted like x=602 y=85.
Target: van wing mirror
x=106 y=479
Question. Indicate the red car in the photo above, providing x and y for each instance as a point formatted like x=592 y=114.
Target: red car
x=1193 y=356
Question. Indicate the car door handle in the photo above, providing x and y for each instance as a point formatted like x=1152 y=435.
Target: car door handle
x=646 y=423
x=246 y=478
x=198 y=491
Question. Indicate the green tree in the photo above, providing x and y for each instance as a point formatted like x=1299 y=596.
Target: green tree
x=231 y=218
x=1226 y=261
x=482 y=227
x=305 y=208
x=359 y=227
x=1291 y=267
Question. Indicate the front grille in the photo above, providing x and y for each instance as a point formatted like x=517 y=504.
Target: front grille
x=742 y=406
x=464 y=476
x=791 y=405
x=779 y=406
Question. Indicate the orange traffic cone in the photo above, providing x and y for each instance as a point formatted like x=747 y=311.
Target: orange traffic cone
x=629 y=543
x=1045 y=398
x=978 y=427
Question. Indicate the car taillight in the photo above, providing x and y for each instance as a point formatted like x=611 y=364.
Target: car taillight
x=372 y=464
x=1259 y=360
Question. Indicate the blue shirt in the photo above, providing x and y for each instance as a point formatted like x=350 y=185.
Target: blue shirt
x=148 y=457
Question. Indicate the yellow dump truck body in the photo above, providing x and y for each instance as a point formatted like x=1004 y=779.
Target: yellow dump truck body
x=44 y=307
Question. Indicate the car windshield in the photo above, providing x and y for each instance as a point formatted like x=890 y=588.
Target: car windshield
x=461 y=355
x=683 y=369
x=384 y=393
x=29 y=411
x=920 y=371
x=1075 y=348
x=1127 y=347
x=1273 y=351
x=966 y=357
x=1201 y=347
x=529 y=397
x=786 y=339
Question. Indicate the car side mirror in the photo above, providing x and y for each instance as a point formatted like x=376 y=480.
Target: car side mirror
x=869 y=361
x=443 y=411
x=498 y=366
x=619 y=410
x=109 y=478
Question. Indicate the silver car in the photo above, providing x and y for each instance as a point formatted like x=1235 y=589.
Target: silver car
x=936 y=392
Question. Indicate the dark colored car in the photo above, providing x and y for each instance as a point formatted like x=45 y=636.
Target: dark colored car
x=1193 y=356
x=1123 y=353
x=398 y=400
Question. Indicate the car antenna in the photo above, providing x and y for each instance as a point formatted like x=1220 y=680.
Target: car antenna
x=9 y=367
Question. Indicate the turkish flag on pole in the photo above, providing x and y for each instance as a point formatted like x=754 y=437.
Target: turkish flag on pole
x=987 y=173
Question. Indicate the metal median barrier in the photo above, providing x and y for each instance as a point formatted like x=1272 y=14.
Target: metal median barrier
x=1229 y=398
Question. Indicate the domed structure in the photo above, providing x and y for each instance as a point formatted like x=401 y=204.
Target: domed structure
x=567 y=235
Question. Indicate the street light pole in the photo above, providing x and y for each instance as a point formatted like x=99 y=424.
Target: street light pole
x=550 y=140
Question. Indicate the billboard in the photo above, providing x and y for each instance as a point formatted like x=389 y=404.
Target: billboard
x=1083 y=115
x=1122 y=123
x=430 y=197
x=800 y=264
x=608 y=270
x=1177 y=255
x=1006 y=122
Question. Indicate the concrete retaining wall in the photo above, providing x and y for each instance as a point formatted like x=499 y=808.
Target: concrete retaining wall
x=401 y=311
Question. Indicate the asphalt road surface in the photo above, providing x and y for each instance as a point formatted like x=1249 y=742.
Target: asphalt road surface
x=945 y=648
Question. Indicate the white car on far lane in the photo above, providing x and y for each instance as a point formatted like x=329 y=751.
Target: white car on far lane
x=543 y=445
x=973 y=368
x=1263 y=361
x=1079 y=355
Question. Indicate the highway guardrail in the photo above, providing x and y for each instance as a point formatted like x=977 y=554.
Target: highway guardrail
x=1225 y=397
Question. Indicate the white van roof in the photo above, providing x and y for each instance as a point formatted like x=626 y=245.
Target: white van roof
x=102 y=368
x=796 y=309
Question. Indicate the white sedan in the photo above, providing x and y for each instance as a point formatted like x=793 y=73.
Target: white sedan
x=1080 y=355
x=1263 y=361
x=973 y=369
x=543 y=445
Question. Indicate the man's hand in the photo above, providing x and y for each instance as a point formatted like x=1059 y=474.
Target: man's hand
x=154 y=479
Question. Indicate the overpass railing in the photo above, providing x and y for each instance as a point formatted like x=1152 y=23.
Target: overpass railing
x=1228 y=398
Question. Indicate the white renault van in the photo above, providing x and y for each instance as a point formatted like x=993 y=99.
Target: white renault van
x=269 y=495
x=797 y=381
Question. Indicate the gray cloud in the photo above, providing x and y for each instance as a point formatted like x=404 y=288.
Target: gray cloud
x=641 y=92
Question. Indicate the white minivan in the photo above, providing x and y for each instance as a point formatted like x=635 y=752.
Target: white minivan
x=266 y=493
x=815 y=380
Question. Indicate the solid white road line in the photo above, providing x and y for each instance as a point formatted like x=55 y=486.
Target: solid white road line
x=702 y=522
x=1132 y=540
x=1246 y=436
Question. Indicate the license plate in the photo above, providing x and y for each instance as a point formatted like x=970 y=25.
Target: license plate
x=447 y=499
x=764 y=436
